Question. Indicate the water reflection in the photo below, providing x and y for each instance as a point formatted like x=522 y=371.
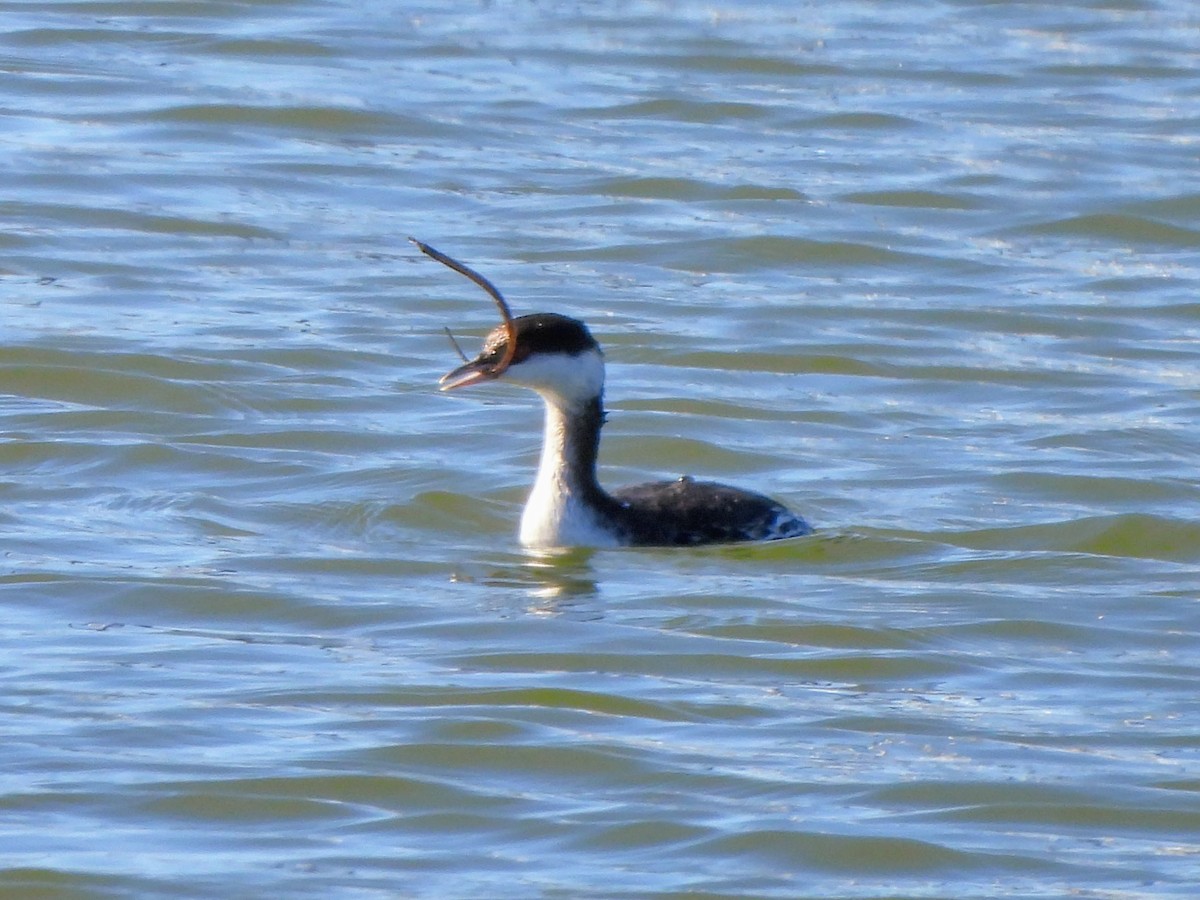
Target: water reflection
x=559 y=574
x=546 y=576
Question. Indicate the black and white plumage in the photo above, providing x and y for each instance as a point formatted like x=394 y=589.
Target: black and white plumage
x=557 y=357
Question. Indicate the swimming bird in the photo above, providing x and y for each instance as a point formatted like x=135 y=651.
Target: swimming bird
x=557 y=357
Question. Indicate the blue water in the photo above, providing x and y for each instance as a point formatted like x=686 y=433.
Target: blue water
x=925 y=272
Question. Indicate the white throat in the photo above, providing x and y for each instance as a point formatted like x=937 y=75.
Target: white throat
x=557 y=513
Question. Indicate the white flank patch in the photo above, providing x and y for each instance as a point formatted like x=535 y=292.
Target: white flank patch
x=558 y=520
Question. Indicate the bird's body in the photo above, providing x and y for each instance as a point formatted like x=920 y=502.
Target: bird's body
x=557 y=357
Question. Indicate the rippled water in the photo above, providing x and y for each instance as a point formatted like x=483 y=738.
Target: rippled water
x=926 y=272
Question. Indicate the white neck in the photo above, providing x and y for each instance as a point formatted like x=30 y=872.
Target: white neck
x=561 y=510
x=564 y=508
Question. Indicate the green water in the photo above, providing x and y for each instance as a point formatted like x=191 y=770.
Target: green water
x=925 y=272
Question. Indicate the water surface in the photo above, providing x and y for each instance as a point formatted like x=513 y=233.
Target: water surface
x=925 y=272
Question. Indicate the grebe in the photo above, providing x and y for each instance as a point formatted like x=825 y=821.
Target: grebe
x=557 y=357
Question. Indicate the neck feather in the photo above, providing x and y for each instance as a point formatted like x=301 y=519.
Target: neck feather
x=571 y=444
x=567 y=506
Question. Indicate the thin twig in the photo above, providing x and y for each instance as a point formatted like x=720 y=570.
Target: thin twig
x=510 y=327
x=457 y=348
